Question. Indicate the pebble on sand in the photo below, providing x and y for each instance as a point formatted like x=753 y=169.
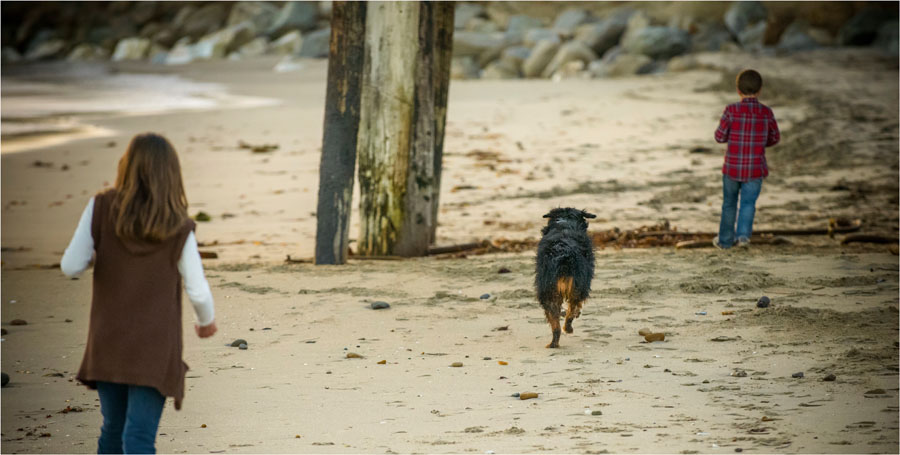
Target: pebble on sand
x=503 y=270
x=644 y=332
x=353 y=355
x=500 y=362
x=203 y=426
x=238 y=342
x=379 y=305
x=655 y=337
x=485 y=296
x=739 y=373
x=382 y=362
x=242 y=346
x=597 y=413
x=763 y=302
x=528 y=395
x=456 y=364
x=515 y=395
x=829 y=378
x=798 y=375
x=18 y=322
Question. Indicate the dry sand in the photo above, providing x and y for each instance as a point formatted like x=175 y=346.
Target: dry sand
x=620 y=148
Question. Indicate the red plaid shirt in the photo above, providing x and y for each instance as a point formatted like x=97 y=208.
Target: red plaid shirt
x=748 y=127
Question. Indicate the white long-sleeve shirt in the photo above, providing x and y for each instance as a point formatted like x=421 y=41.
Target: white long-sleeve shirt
x=81 y=249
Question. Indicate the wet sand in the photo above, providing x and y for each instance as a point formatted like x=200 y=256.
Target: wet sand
x=620 y=148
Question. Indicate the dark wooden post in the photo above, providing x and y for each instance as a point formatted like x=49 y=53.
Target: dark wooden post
x=342 y=102
x=443 y=52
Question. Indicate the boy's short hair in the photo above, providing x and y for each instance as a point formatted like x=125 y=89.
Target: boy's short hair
x=749 y=82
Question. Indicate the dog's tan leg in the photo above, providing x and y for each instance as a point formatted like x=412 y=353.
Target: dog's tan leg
x=553 y=319
x=572 y=312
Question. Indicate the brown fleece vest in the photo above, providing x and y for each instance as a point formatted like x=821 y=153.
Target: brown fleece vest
x=135 y=334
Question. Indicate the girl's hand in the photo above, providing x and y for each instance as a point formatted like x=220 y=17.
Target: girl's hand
x=206 y=331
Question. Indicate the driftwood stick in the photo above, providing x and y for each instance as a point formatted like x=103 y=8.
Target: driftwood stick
x=868 y=238
x=457 y=248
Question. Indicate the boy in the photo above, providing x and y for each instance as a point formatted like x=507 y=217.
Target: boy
x=748 y=127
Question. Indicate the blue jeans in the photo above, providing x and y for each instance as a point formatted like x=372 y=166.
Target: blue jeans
x=130 y=418
x=748 y=192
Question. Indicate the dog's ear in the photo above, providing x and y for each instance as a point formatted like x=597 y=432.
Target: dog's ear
x=547 y=216
x=588 y=215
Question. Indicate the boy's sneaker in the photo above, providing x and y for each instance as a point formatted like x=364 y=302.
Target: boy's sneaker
x=716 y=243
x=743 y=242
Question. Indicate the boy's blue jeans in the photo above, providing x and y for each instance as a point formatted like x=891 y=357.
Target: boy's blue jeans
x=748 y=192
x=130 y=418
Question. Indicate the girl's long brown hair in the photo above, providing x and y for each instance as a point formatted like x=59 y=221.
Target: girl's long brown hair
x=150 y=204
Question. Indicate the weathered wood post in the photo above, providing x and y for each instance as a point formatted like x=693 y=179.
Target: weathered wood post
x=338 y=161
x=398 y=128
x=443 y=53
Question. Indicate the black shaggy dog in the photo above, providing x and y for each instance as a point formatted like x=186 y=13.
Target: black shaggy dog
x=565 y=266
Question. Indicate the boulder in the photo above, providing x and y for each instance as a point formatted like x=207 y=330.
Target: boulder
x=474 y=43
x=601 y=36
x=862 y=29
x=682 y=63
x=142 y=12
x=316 y=44
x=822 y=36
x=536 y=35
x=261 y=14
x=743 y=14
x=464 y=68
x=464 y=12
x=288 y=64
x=570 y=70
x=888 y=37
x=540 y=56
x=514 y=57
x=149 y=29
x=131 y=49
x=710 y=37
x=256 y=47
x=45 y=50
x=10 y=55
x=164 y=37
x=620 y=65
x=568 y=20
x=499 y=70
x=205 y=20
x=220 y=43
x=481 y=25
x=519 y=25
x=636 y=22
x=753 y=36
x=796 y=37
x=657 y=42
x=182 y=16
x=294 y=15
x=289 y=43
x=568 y=52
x=85 y=51
x=181 y=53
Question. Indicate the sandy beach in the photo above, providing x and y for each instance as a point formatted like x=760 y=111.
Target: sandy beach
x=634 y=151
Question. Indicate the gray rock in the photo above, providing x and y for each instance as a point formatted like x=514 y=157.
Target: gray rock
x=710 y=37
x=570 y=70
x=205 y=20
x=464 y=12
x=85 y=51
x=316 y=44
x=473 y=44
x=682 y=63
x=46 y=49
x=294 y=15
x=635 y=23
x=515 y=56
x=289 y=43
x=763 y=302
x=536 y=35
x=796 y=38
x=10 y=55
x=743 y=14
x=242 y=346
x=568 y=52
x=220 y=43
x=887 y=38
x=131 y=49
x=499 y=70
x=261 y=14
x=829 y=378
x=798 y=375
x=753 y=36
x=258 y=46
x=164 y=37
x=520 y=24
x=540 y=56
x=657 y=42
x=485 y=296
x=482 y=25
x=620 y=66
x=601 y=36
x=464 y=68
x=568 y=20
x=238 y=342
x=181 y=53
x=141 y=12
x=379 y=305
x=182 y=16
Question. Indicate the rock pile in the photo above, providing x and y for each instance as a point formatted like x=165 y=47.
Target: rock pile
x=489 y=42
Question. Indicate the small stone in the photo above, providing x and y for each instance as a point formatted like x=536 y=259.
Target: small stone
x=706 y=381
x=700 y=313
x=238 y=342
x=18 y=322
x=876 y=392
x=503 y=270
x=644 y=332
x=763 y=302
x=486 y=358
x=655 y=337
x=738 y=450
x=500 y=362
x=528 y=396
x=797 y=375
x=456 y=364
x=242 y=346
x=485 y=296
x=829 y=378
x=597 y=413
x=739 y=373
x=68 y=320
x=353 y=355
x=379 y=305
x=203 y=426
x=515 y=395
x=382 y=362
x=202 y=217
